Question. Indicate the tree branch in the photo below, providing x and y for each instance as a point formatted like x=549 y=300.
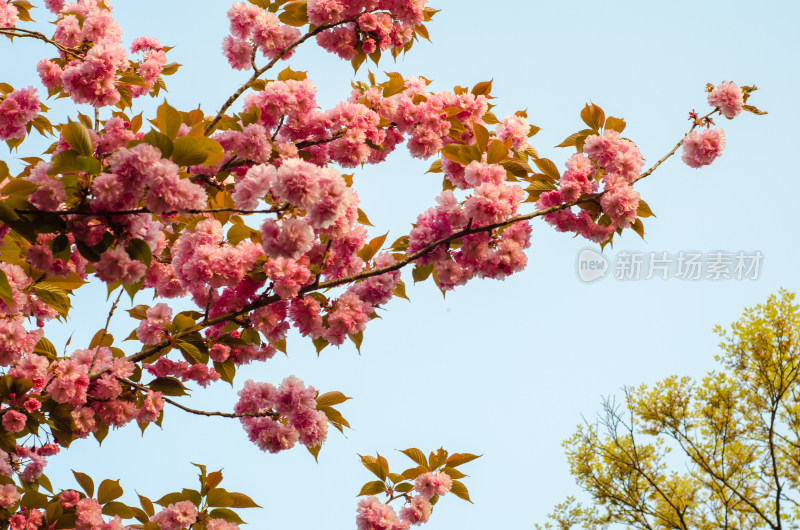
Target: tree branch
x=19 y=32
x=259 y=72
x=267 y=413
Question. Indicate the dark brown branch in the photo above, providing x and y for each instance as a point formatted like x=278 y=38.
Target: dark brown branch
x=264 y=301
x=107 y=213
x=267 y=413
x=19 y=32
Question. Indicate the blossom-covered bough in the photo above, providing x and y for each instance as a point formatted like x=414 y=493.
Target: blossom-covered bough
x=244 y=214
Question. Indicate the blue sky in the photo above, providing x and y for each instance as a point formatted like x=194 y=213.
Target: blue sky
x=504 y=369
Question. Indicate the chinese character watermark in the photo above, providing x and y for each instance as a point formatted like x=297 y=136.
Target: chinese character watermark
x=717 y=265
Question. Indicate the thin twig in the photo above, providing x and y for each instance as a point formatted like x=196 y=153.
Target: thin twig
x=677 y=146
x=19 y=32
x=105 y=329
x=266 y=413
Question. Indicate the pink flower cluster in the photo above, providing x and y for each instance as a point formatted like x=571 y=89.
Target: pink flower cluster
x=299 y=418
x=50 y=195
x=621 y=163
x=424 y=116
x=481 y=254
x=153 y=60
x=8 y=14
x=30 y=460
x=176 y=516
x=253 y=28
x=93 y=78
x=728 y=97
x=141 y=172
x=200 y=259
x=702 y=148
x=199 y=373
x=9 y=496
x=96 y=401
x=374 y=515
x=516 y=128
x=371 y=31
x=151 y=330
x=18 y=109
x=15 y=341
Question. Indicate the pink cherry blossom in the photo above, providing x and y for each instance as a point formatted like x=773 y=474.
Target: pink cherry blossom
x=701 y=149
x=8 y=14
x=17 y=110
x=728 y=97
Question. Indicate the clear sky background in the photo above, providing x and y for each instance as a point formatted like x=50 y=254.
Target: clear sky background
x=504 y=369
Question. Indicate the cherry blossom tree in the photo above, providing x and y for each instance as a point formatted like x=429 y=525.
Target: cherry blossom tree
x=248 y=217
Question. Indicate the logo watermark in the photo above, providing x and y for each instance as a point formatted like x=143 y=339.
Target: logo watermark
x=687 y=265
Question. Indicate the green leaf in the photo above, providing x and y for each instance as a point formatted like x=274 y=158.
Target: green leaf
x=363 y=219
x=219 y=497
x=118 y=508
x=168 y=120
x=456 y=459
x=617 y=124
x=108 y=491
x=329 y=399
x=240 y=500
x=483 y=88
x=497 y=152
x=89 y=164
x=372 y=488
x=421 y=273
x=226 y=514
x=172 y=498
x=644 y=210
x=413 y=472
x=77 y=137
x=194 y=150
x=139 y=312
x=139 y=250
x=453 y=153
x=438 y=458
x=65 y=162
x=453 y=472
x=46 y=348
x=147 y=504
x=593 y=116
x=160 y=141
x=315 y=451
x=85 y=482
x=34 y=500
x=19 y=188
x=570 y=141
x=320 y=344
x=400 y=290
x=69 y=283
x=54 y=297
x=169 y=386
x=226 y=370
x=5 y=290
x=191 y=352
x=405 y=487
x=170 y=68
x=547 y=167
x=460 y=491
x=295 y=13
x=417 y=456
